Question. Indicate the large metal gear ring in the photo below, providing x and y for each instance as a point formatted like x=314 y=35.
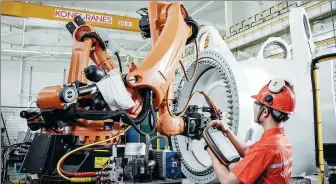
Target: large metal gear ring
x=222 y=79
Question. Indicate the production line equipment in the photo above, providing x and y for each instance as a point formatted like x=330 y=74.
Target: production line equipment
x=81 y=123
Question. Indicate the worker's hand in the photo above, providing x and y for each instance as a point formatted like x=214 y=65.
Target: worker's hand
x=214 y=158
x=219 y=125
x=210 y=152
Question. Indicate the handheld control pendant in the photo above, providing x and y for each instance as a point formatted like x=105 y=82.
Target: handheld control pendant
x=220 y=145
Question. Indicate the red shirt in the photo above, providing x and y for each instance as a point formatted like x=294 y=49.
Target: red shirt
x=267 y=161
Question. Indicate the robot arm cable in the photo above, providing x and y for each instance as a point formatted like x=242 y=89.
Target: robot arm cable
x=194 y=73
x=207 y=98
x=102 y=115
x=151 y=114
x=84 y=179
x=119 y=61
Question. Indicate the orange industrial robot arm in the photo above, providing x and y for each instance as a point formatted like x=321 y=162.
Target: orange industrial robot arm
x=169 y=32
x=149 y=84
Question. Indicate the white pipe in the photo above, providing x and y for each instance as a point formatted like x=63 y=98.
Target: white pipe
x=49 y=59
x=201 y=8
x=37 y=56
x=126 y=58
x=64 y=53
x=21 y=64
x=5 y=34
x=36 y=52
x=136 y=59
x=227 y=17
x=31 y=102
x=143 y=46
x=52 y=33
x=26 y=95
x=43 y=59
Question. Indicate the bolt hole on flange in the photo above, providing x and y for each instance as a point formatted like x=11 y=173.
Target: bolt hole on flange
x=215 y=78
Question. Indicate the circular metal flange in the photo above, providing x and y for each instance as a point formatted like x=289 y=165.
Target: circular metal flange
x=283 y=48
x=215 y=77
x=276 y=41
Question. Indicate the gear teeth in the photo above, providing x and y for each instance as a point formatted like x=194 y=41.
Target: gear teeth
x=229 y=84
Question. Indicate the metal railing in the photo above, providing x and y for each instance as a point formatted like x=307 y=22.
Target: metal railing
x=318 y=44
x=262 y=17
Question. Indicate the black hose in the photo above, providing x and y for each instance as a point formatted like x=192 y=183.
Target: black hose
x=154 y=116
x=102 y=115
x=97 y=37
x=93 y=115
x=312 y=68
x=119 y=61
x=150 y=116
x=194 y=26
x=86 y=90
x=312 y=78
x=144 y=111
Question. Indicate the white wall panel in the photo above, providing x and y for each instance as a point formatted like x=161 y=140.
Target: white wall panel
x=10 y=83
x=41 y=79
x=326 y=80
x=14 y=123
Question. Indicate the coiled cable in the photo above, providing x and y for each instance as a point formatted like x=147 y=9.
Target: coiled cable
x=83 y=179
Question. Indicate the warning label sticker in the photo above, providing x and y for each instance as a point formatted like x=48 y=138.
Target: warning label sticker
x=86 y=17
x=100 y=161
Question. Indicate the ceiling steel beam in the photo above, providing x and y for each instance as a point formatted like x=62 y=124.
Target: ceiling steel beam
x=124 y=53
x=30 y=10
x=56 y=34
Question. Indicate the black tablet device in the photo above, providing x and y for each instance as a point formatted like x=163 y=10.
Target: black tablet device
x=221 y=146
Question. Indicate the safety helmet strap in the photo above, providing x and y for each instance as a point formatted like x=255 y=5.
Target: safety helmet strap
x=261 y=110
x=278 y=116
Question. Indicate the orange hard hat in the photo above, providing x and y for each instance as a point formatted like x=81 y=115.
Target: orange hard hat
x=279 y=95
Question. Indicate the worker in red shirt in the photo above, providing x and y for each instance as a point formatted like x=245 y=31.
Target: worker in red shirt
x=270 y=159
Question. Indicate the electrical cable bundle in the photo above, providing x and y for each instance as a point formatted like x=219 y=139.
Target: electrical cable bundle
x=84 y=176
x=4 y=157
